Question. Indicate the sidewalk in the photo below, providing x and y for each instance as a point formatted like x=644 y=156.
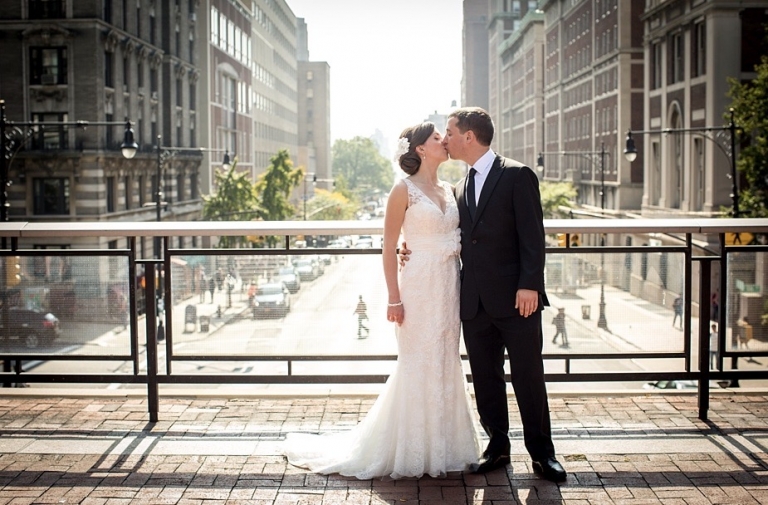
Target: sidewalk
x=101 y=449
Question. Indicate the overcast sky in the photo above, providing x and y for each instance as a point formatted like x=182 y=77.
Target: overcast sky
x=393 y=62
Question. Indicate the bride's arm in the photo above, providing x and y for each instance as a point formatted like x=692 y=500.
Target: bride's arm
x=397 y=203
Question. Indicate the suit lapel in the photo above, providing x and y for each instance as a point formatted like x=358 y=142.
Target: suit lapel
x=488 y=186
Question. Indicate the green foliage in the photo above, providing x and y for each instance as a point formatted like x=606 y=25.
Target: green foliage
x=452 y=171
x=274 y=189
x=555 y=196
x=359 y=163
x=750 y=106
x=330 y=206
x=234 y=200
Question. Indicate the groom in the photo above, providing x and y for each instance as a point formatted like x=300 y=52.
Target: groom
x=502 y=290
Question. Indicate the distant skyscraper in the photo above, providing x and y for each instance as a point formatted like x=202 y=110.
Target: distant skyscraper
x=474 y=81
x=314 y=118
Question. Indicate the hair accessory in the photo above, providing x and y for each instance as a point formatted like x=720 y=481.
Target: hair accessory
x=403 y=146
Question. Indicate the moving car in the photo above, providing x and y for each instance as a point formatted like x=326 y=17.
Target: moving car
x=29 y=327
x=271 y=300
x=364 y=242
x=289 y=277
x=307 y=269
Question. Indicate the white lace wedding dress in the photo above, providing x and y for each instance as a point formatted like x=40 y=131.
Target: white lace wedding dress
x=421 y=422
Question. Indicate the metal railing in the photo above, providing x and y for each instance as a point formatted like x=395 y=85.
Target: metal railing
x=674 y=258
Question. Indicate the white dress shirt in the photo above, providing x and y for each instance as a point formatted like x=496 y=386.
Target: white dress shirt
x=483 y=167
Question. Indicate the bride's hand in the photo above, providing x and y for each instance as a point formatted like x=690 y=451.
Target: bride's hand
x=396 y=314
x=403 y=254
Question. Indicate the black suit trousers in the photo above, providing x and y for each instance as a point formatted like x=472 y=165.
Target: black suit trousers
x=486 y=338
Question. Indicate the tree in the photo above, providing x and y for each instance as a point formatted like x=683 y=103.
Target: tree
x=750 y=107
x=328 y=206
x=555 y=196
x=274 y=189
x=234 y=200
x=452 y=171
x=359 y=163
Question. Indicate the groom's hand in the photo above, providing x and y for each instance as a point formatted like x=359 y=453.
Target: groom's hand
x=403 y=253
x=527 y=301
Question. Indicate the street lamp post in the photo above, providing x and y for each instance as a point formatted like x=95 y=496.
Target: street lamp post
x=602 y=321
x=25 y=130
x=13 y=136
x=728 y=148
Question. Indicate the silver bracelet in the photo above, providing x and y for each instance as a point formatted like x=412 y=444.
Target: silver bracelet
x=395 y=304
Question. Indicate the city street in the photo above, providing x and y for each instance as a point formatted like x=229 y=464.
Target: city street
x=322 y=321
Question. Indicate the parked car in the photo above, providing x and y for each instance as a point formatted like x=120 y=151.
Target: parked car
x=307 y=269
x=30 y=327
x=271 y=300
x=289 y=277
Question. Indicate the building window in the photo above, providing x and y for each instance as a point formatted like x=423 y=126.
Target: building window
x=192 y=97
x=152 y=26
x=48 y=65
x=676 y=57
x=110 y=137
x=127 y=191
x=192 y=134
x=191 y=47
x=178 y=41
x=111 y=194
x=126 y=72
x=140 y=73
x=656 y=65
x=179 y=94
x=193 y=187
x=109 y=69
x=51 y=195
x=46 y=9
x=180 y=187
x=50 y=137
x=108 y=11
x=142 y=191
x=699 y=59
x=153 y=80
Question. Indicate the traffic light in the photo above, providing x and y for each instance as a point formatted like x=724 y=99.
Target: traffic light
x=12 y=271
x=575 y=240
x=561 y=239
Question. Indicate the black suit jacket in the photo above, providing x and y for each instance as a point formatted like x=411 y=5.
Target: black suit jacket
x=502 y=250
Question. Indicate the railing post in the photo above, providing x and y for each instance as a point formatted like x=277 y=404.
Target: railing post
x=704 y=317
x=151 y=321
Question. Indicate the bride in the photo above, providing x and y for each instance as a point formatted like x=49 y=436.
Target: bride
x=421 y=423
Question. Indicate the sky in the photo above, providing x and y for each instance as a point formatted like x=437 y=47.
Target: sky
x=393 y=62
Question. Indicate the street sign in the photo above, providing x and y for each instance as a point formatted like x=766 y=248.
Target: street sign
x=741 y=238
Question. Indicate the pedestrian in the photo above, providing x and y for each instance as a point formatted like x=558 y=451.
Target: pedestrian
x=220 y=279
x=203 y=285
x=715 y=308
x=677 y=308
x=713 y=347
x=559 y=322
x=745 y=332
x=211 y=287
x=362 y=315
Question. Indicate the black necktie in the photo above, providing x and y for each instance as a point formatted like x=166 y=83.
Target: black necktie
x=471 y=202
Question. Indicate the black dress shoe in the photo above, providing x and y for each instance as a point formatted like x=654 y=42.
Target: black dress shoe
x=490 y=462
x=550 y=469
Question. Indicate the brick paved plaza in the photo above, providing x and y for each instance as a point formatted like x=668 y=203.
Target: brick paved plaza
x=642 y=449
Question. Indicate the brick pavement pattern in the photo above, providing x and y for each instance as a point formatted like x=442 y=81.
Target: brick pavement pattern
x=647 y=449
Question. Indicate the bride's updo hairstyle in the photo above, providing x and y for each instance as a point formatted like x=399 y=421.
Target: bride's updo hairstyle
x=410 y=161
